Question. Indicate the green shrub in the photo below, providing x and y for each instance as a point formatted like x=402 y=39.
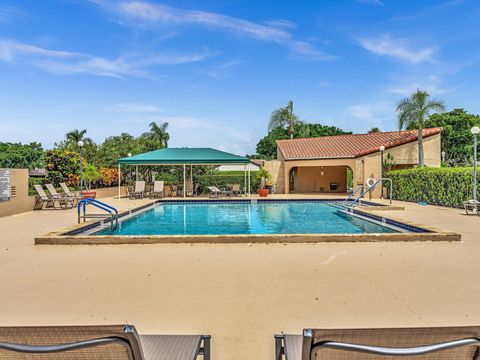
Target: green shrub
x=221 y=181
x=436 y=186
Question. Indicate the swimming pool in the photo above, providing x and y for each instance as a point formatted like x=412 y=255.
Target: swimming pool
x=230 y=218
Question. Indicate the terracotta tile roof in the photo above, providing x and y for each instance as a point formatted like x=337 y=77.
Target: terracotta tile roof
x=347 y=146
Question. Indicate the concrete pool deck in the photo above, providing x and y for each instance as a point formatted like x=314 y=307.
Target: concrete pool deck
x=241 y=294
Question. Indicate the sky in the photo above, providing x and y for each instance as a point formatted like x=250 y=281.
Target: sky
x=215 y=70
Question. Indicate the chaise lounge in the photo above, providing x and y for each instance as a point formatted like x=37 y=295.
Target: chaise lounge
x=67 y=199
x=49 y=200
x=439 y=343
x=119 y=342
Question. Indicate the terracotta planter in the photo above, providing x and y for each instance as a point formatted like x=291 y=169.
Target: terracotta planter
x=88 y=194
x=263 y=192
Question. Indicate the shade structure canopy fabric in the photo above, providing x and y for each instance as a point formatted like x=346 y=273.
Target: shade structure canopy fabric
x=184 y=156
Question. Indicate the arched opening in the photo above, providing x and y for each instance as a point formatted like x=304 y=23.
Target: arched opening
x=292 y=179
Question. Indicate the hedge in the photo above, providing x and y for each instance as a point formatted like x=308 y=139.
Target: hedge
x=221 y=181
x=436 y=186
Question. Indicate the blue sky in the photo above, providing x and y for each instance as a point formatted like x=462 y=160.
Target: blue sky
x=216 y=69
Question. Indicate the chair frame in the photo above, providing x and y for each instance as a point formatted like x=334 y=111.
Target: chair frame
x=137 y=194
x=472 y=207
x=309 y=347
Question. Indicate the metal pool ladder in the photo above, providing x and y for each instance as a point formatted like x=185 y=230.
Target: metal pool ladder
x=370 y=188
x=112 y=212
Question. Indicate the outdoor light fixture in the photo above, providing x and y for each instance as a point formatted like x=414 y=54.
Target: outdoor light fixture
x=129 y=154
x=80 y=145
x=475 y=130
x=443 y=155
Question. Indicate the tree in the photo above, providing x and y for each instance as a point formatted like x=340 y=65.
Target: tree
x=91 y=174
x=62 y=165
x=284 y=118
x=374 y=130
x=267 y=146
x=21 y=156
x=456 y=136
x=158 y=135
x=116 y=147
x=413 y=111
x=76 y=135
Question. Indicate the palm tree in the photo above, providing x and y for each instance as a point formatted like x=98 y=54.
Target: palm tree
x=413 y=112
x=74 y=136
x=284 y=117
x=159 y=133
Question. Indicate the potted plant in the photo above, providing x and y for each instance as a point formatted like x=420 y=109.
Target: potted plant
x=90 y=175
x=265 y=177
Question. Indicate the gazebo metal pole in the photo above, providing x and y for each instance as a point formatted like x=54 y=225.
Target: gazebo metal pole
x=249 y=181
x=119 y=181
x=184 y=180
x=191 y=179
x=245 y=178
x=136 y=172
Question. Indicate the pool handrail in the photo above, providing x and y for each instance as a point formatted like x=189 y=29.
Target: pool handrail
x=100 y=205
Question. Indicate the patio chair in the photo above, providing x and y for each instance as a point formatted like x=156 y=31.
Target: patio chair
x=61 y=198
x=439 y=343
x=236 y=190
x=472 y=207
x=119 y=342
x=69 y=193
x=189 y=188
x=43 y=198
x=139 y=190
x=157 y=189
x=215 y=192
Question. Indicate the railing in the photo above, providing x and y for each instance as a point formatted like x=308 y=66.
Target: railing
x=370 y=188
x=112 y=212
x=353 y=193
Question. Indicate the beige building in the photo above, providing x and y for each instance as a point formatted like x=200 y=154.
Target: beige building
x=320 y=165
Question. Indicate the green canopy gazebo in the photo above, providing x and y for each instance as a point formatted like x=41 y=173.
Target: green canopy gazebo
x=184 y=157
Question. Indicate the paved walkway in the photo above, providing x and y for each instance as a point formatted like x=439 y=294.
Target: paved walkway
x=241 y=294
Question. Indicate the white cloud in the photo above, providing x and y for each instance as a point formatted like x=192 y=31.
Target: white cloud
x=373 y=2
x=8 y=13
x=386 y=45
x=381 y=114
x=68 y=63
x=139 y=12
x=133 y=108
x=432 y=84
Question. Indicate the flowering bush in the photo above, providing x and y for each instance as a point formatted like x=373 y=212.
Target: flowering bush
x=108 y=177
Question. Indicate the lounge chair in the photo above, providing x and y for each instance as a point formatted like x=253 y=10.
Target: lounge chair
x=157 y=189
x=364 y=344
x=49 y=200
x=215 y=192
x=69 y=193
x=472 y=207
x=119 y=342
x=61 y=198
x=138 y=191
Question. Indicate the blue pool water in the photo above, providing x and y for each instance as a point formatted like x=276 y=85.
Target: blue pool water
x=245 y=218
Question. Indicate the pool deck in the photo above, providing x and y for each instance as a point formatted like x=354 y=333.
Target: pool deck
x=241 y=294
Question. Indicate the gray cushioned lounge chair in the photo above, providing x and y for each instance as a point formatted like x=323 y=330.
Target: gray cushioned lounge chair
x=119 y=342
x=63 y=199
x=433 y=343
x=49 y=200
x=68 y=192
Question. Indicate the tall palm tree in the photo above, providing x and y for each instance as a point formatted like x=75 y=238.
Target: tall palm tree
x=413 y=112
x=284 y=117
x=159 y=132
x=74 y=136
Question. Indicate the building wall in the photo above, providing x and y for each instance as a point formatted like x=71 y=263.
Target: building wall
x=364 y=167
x=276 y=169
x=310 y=179
x=22 y=202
